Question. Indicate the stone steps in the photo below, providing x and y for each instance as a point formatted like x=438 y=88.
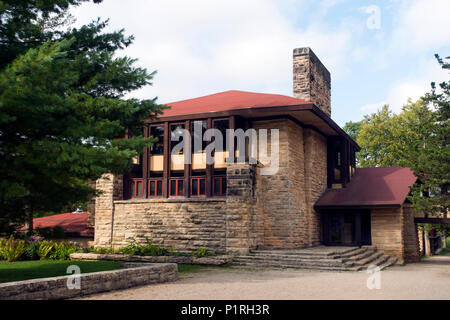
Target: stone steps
x=353 y=259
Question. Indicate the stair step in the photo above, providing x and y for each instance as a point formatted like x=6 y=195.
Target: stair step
x=290 y=256
x=368 y=260
x=390 y=262
x=364 y=253
x=298 y=262
x=287 y=266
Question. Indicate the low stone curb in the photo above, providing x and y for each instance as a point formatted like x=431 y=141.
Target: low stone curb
x=211 y=260
x=57 y=288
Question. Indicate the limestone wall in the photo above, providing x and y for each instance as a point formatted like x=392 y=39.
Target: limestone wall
x=184 y=224
x=315 y=180
x=111 y=188
x=410 y=235
x=394 y=232
x=387 y=231
x=284 y=210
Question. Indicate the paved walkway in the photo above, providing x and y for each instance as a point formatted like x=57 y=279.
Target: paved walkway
x=429 y=279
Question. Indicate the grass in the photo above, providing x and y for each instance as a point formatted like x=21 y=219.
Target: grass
x=26 y=270
x=189 y=268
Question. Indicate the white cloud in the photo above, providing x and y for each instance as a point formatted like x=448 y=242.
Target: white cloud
x=422 y=24
x=411 y=87
x=202 y=46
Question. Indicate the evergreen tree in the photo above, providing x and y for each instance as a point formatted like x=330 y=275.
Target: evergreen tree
x=63 y=108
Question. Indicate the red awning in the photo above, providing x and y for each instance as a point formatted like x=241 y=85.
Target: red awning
x=371 y=187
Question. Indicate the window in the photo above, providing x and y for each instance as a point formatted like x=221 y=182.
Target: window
x=198 y=186
x=219 y=186
x=136 y=188
x=197 y=136
x=176 y=187
x=155 y=188
x=222 y=126
x=158 y=147
x=177 y=136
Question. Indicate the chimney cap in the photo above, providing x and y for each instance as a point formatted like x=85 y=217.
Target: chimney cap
x=303 y=51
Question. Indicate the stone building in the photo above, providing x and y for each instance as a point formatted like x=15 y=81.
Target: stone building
x=316 y=195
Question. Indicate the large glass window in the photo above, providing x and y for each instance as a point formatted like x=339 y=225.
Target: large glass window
x=198 y=129
x=158 y=147
x=177 y=136
x=222 y=126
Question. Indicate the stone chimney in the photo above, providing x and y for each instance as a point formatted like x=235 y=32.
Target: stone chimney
x=312 y=81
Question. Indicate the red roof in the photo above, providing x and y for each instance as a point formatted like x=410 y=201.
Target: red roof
x=385 y=186
x=71 y=222
x=230 y=100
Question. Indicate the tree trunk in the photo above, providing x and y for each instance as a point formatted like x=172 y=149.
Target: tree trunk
x=29 y=228
x=444 y=235
x=427 y=244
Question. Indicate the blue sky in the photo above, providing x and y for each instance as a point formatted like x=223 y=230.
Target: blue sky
x=378 y=52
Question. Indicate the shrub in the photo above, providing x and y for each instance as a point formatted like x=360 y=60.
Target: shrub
x=12 y=250
x=202 y=252
x=136 y=249
x=45 y=247
x=2 y=244
x=31 y=251
x=99 y=250
x=62 y=251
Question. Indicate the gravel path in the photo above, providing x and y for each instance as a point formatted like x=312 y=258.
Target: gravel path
x=429 y=279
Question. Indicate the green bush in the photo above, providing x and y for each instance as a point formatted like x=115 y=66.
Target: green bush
x=99 y=250
x=11 y=249
x=45 y=247
x=31 y=251
x=149 y=249
x=62 y=251
x=202 y=252
x=2 y=244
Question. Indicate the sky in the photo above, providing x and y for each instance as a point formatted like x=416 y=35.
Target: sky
x=378 y=52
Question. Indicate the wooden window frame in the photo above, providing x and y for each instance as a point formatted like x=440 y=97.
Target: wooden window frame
x=221 y=193
x=156 y=188
x=176 y=187
x=133 y=192
x=198 y=186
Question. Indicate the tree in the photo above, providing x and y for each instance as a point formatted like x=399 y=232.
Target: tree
x=376 y=138
x=431 y=194
x=353 y=129
x=62 y=108
x=418 y=138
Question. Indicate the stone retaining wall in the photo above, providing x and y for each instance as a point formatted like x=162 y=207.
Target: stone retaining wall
x=56 y=288
x=211 y=260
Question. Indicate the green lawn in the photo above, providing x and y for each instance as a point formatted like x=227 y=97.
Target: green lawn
x=26 y=270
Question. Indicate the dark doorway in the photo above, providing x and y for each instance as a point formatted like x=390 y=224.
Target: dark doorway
x=346 y=228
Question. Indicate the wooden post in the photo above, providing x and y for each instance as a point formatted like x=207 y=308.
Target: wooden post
x=187 y=153
x=166 y=159
x=145 y=160
x=209 y=167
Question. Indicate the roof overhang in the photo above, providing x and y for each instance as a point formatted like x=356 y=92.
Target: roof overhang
x=307 y=115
